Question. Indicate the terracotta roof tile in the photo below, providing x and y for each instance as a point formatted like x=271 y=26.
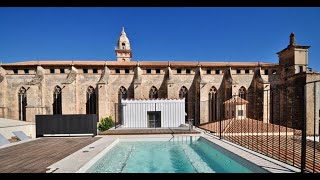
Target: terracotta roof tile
x=246 y=126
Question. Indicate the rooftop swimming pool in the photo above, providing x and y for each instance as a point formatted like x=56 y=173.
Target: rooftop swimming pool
x=188 y=154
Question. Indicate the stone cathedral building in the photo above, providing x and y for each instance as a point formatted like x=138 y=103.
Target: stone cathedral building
x=274 y=92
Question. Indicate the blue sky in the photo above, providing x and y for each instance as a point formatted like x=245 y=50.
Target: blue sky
x=157 y=34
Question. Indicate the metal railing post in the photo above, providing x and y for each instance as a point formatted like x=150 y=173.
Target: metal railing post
x=314 y=125
x=115 y=117
x=220 y=134
x=304 y=134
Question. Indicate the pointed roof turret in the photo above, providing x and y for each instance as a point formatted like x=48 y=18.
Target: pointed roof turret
x=123 y=50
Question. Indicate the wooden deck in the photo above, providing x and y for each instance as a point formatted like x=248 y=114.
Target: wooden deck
x=149 y=131
x=35 y=156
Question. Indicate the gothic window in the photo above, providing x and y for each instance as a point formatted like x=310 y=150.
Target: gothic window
x=91 y=101
x=153 y=93
x=57 y=103
x=22 y=95
x=213 y=104
x=242 y=92
x=122 y=93
x=183 y=93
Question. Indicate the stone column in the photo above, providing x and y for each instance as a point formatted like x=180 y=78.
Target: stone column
x=34 y=102
x=204 y=105
x=170 y=85
x=3 y=85
x=35 y=95
x=266 y=103
x=69 y=93
x=103 y=100
x=137 y=90
x=103 y=95
x=137 y=82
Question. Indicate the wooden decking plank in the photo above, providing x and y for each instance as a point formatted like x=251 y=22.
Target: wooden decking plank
x=35 y=156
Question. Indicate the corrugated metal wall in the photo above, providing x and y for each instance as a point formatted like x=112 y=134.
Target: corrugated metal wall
x=135 y=112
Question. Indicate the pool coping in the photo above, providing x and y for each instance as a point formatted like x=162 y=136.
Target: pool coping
x=80 y=163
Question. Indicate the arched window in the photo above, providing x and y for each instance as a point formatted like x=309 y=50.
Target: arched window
x=183 y=93
x=123 y=44
x=213 y=104
x=153 y=93
x=122 y=94
x=91 y=105
x=242 y=92
x=57 y=103
x=22 y=96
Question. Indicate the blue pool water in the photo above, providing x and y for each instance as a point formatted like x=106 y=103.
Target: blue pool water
x=191 y=156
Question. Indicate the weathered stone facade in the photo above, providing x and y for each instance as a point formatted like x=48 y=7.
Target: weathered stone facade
x=275 y=92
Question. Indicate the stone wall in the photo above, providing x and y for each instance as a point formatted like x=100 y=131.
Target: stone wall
x=106 y=82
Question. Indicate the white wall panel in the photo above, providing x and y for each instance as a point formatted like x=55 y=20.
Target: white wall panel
x=135 y=112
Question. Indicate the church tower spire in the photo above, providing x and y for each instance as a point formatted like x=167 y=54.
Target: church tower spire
x=123 y=50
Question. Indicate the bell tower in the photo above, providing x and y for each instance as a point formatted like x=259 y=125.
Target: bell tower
x=294 y=58
x=123 y=50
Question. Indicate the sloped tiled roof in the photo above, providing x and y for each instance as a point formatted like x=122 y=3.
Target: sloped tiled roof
x=135 y=63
